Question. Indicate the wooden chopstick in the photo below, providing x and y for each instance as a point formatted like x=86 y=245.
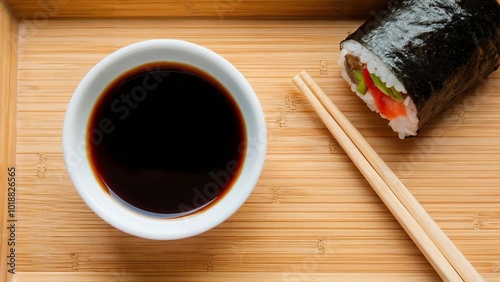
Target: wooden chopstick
x=450 y=251
x=423 y=242
x=443 y=255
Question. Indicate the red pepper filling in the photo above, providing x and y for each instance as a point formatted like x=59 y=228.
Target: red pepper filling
x=387 y=106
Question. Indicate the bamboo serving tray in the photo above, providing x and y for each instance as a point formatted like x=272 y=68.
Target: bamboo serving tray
x=312 y=215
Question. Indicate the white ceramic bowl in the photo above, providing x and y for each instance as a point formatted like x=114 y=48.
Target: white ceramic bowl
x=79 y=111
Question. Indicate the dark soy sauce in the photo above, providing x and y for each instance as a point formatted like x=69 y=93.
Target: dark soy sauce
x=166 y=138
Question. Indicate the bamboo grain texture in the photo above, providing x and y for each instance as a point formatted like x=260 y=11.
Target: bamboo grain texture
x=312 y=215
x=8 y=82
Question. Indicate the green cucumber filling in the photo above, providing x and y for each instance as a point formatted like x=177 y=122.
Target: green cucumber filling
x=391 y=92
x=356 y=67
x=360 y=82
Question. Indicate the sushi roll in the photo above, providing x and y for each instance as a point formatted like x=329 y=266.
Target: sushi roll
x=415 y=58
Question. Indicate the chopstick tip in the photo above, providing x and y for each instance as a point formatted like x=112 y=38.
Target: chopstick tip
x=297 y=80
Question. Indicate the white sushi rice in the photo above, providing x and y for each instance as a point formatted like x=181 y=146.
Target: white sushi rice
x=405 y=126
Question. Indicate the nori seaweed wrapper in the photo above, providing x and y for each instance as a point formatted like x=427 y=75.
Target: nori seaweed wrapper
x=439 y=50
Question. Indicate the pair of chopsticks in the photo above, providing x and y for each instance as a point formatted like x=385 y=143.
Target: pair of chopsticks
x=444 y=256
